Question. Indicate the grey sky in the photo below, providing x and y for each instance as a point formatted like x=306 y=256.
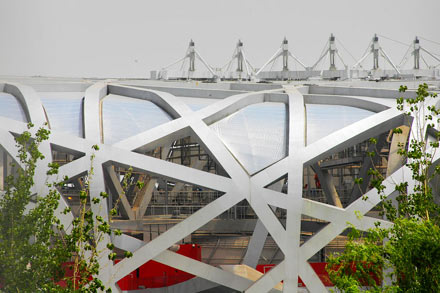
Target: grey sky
x=109 y=38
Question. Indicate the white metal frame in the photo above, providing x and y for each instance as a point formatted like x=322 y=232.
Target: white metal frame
x=239 y=186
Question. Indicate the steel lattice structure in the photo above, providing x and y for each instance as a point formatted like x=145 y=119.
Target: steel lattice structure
x=238 y=186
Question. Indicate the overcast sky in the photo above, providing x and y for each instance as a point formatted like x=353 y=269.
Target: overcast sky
x=109 y=38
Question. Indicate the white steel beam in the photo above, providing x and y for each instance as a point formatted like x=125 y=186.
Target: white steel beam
x=273 y=58
x=297 y=142
x=120 y=192
x=389 y=61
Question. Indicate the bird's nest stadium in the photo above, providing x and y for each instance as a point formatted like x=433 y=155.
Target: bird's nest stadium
x=259 y=178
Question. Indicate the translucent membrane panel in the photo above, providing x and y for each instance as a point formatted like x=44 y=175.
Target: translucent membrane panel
x=256 y=135
x=197 y=103
x=124 y=117
x=64 y=111
x=325 y=119
x=11 y=108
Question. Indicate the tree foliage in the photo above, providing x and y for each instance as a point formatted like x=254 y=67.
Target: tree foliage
x=36 y=251
x=30 y=251
x=408 y=252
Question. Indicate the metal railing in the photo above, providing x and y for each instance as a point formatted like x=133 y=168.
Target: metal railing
x=182 y=211
x=198 y=198
x=185 y=203
x=318 y=195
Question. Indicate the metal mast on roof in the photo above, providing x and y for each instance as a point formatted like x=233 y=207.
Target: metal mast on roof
x=242 y=61
x=332 y=51
x=240 y=56
x=191 y=55
x=283 y=51
x=377 y=51
x=416 y=51
x=285 y=47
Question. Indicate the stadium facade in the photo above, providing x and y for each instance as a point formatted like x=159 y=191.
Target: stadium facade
x=256 y=174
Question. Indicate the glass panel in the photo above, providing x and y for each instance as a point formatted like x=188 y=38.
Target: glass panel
x=11 y=108
x=64 y=111
x=197 y=103
x=124 y=117
x=256 y=135
x=325 y=119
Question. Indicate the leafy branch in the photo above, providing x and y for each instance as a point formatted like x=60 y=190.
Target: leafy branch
x=410 y=249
